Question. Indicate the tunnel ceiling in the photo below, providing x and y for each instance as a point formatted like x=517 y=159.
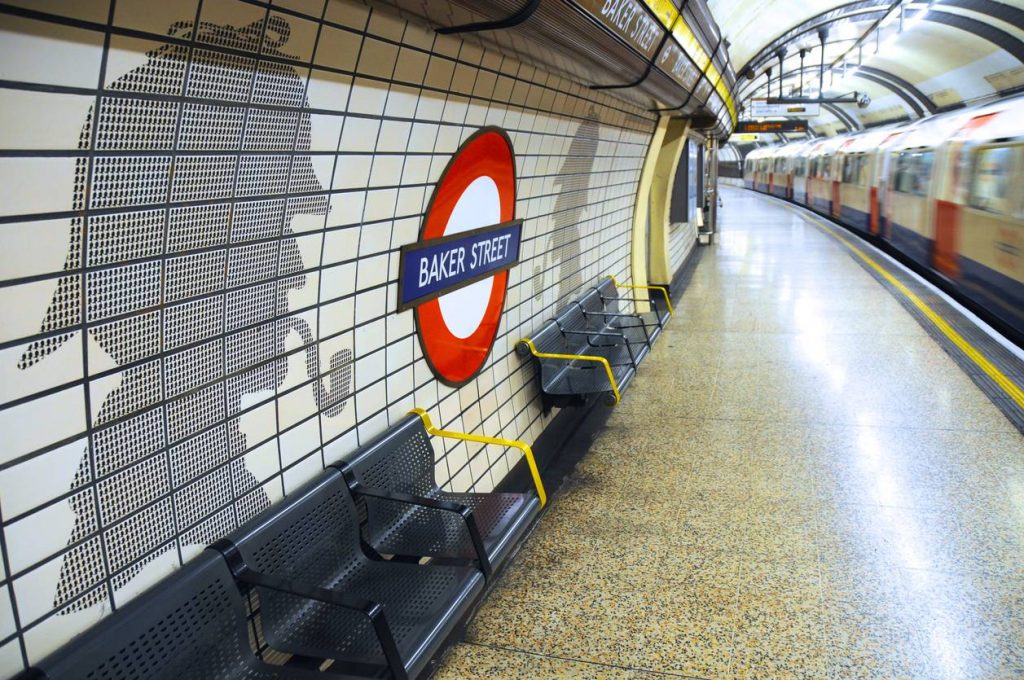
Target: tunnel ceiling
x=910 y=58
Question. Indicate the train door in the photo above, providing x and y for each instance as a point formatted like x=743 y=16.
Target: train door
x=991 y=250
x=836 y=199
x=909 y=214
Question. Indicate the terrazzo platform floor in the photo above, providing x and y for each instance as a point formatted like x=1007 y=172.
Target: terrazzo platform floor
x=800 y=483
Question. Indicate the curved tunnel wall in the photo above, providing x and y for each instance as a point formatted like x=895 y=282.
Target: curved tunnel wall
x=201 y=207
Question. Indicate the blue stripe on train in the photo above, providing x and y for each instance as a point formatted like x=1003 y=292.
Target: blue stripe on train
x=780 y=191
x=858 y=219
x=822 y=204
x=912 y=244
x=998 y=293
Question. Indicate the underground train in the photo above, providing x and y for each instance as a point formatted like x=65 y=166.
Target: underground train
x=945 y=192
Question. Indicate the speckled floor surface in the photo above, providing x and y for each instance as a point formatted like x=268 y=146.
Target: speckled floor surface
x=799 y=484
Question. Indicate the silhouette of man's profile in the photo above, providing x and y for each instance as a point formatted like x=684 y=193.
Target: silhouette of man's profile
x=179 y=268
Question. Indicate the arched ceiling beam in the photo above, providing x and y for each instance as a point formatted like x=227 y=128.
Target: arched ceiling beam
x=899 y=92
x=997 y=10
x=875 y=8
x=846 y=119
x=904 y=85
x=994 y=35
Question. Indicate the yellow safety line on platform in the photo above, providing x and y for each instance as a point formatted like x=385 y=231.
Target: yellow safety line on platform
x=993 y=372
x=513 y=443
x=664 y=291
x=581 y=357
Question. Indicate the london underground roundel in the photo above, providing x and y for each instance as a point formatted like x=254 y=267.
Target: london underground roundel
x=456 y=275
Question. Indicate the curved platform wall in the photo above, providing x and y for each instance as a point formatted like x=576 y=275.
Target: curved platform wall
x=230 y=184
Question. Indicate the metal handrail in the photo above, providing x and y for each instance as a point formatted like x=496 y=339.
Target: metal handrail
x=663 y=290
x=580 y=357
x=480 y=439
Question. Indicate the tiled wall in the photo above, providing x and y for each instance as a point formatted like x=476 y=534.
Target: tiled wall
x=201 y=205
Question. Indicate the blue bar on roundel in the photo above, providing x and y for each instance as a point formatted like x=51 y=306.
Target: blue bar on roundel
x=429 y=269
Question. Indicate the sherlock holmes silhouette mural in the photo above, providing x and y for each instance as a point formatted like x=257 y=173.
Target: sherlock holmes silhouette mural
x=182 y=268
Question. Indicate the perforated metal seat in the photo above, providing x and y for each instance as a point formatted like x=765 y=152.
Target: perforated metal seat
x=382 y=614
x=653 y=320
x=577 y=376
x=402 y=460
x=191 y=625
x=592 y=337
x=633 y=328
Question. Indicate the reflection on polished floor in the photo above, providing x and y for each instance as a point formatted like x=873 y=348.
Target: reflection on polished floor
x=800 y=483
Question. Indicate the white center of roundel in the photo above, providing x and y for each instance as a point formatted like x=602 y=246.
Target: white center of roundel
x=478 y=206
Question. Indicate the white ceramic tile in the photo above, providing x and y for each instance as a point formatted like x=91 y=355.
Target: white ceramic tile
x=369 y=96
x=263 y=461
x=33 y=248
x=42 y=120
x=41 y=52
x=311 y=8
x=377 y=58
x=380 y=205
x=36 y=185
x=39 y=479
x=38 y=423
x=303 y=471
x=337 y=281
x=300 y=441
x=7 y=626
x=373 y=271
x=337 y=49
x=39 y=535
x=386 y=171
x=337 y=317
x=369 y=369
x=352 y=172
x=37 y=588
x=328 y=90
x=359 y=134
x=347 y=13
x=11 y=662
x=346 y=208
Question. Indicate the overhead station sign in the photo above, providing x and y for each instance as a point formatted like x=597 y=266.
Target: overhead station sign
x=760 y=108
x=456 y=275
x=629 y=20
x=763 y=127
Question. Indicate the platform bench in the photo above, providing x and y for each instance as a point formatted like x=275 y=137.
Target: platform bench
x=409 y=516
x=593 y=348
x=377 y=617
x=602 y=307
x=191 y=625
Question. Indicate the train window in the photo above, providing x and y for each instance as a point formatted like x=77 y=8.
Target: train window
x=913 y=171
x=852 y=166
x=814 y=167
x=780 y=165
x=990 y=179
x=800 y=167
x=826 y=167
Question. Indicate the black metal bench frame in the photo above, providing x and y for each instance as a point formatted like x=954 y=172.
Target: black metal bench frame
x=571 y=369
x=398 y=467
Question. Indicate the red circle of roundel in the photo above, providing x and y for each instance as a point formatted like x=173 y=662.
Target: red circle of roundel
x=453 y=359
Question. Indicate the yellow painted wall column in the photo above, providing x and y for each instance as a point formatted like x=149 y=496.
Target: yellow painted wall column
x=660 y=267
x=641 y=209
